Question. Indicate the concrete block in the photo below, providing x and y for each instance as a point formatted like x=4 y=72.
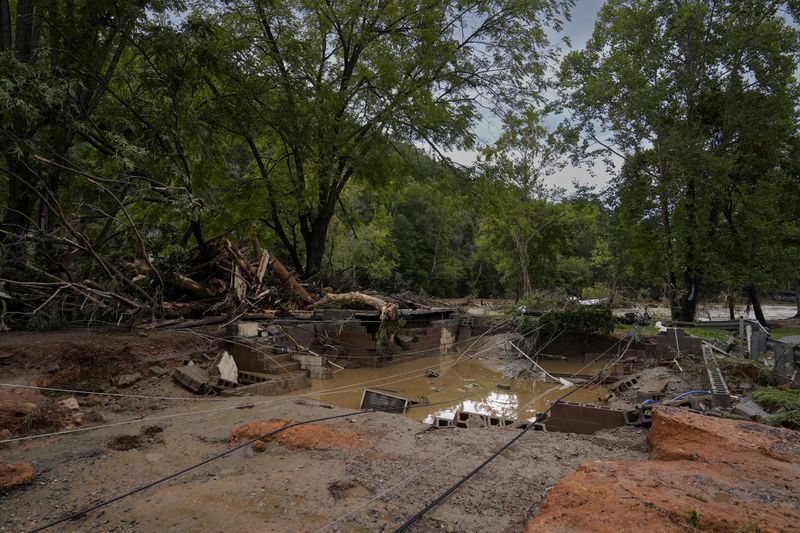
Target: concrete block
x=243 y=329
x=192 y=377
x=750 y=409
x=226 y=368
x=568 y=417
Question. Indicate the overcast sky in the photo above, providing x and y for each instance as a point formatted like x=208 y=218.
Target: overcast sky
x=578 y=29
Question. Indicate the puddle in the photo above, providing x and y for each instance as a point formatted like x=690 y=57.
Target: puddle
x=468 y=384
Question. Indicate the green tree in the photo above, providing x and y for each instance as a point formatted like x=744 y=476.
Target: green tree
x=320 y=86
x=682 y=91
x=520 y=226
x=56 y=58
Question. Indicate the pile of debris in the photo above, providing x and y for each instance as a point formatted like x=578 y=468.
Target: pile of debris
x=213 y=285
x=219 y=374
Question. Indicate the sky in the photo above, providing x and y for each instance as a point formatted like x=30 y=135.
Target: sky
x=579 y=29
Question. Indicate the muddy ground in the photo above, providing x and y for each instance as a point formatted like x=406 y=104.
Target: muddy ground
x=370 y=472
x=295 y=485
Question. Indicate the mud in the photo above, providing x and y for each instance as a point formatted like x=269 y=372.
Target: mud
x=146 y=438
x=469 y=384
x=290 y=488
x=313 y=437
x=311 y=476
x=88 y=358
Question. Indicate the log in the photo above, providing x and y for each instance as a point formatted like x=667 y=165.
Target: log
x=286 y=277
x=183 y=323
x=236 y=255
x=189 y=286
x=387 y=310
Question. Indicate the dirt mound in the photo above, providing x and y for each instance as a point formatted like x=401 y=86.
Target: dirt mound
x=13 y=474
x=710 y=473
x=679 y=434
x=71 y=356
x=311 y=437
x=18 y=409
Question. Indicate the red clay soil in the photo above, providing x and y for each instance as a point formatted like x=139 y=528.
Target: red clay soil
x=707 y=473
x=13 y=474
x=310 y=437
x=18 y=407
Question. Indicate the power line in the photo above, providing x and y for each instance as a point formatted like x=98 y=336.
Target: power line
x=344 y=388
x=114 y=394
x=227 y=452
x=411 y=521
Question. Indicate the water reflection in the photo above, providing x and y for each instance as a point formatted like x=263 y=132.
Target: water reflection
x=467 y=384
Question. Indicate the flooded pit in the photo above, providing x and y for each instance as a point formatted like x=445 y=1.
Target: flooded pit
x=469 y=384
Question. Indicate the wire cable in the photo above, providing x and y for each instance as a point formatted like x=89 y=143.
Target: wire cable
x=389 y=490
x=411 y=521
x=220 y=455
x=114 y=394
x=344 y=388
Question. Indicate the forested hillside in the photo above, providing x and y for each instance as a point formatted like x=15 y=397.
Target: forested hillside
x=141 y=142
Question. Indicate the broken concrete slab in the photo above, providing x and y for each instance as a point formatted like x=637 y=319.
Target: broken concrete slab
x=191 y=376
x=750 y=409
x=226 y=368
x=243 y=329
x=568 y=417
x=652 y=390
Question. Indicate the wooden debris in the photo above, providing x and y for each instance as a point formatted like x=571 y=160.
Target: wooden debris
x=387 y=310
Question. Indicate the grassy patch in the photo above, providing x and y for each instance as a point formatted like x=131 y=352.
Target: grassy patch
x=754 y=371
x=709 y=333
x=783 y=332
x=784 y=402
x=644 y=331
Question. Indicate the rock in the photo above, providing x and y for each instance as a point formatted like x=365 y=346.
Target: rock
x=18 y=407
x=126 y=380
x=750 y=409
x=69 y=403
x=158 y=371
x=13 y=474
x=226 y=368
x=153 y=457
x=707 y=473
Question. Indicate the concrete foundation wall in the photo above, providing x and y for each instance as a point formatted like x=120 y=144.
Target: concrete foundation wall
x=568 y=417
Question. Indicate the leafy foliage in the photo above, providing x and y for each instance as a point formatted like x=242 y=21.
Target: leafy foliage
x=784 y=402
x=580 y=319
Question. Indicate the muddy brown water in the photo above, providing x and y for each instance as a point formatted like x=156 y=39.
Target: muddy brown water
x=469 y=384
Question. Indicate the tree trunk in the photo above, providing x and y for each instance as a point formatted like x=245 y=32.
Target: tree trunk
x=522 y=255
x=199 y=236
x=21 y=199
x=797 y=297
x=672 y=295
x=755 y=301
x=688 y=301
x=315 y=241
x=731 y=306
